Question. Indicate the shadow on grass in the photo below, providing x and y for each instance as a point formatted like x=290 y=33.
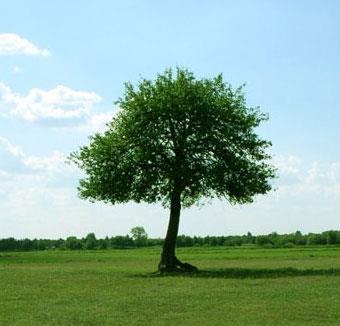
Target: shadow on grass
x=248 y=273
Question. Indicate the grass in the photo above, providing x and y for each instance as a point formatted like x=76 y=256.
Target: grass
x=118 y=287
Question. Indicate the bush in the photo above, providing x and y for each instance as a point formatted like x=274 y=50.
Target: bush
x=90 y=241
x=73 y=243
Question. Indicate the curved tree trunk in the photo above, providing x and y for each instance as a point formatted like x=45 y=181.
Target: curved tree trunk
x=169 y=261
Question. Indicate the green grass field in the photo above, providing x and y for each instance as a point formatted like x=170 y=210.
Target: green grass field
x=117 y=287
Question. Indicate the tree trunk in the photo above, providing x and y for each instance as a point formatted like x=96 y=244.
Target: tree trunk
x=169 y=261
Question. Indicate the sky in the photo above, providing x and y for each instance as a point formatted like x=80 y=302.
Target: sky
x=64 y=63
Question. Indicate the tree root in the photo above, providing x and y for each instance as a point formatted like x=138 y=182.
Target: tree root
x=178 y=266
x=186 y=266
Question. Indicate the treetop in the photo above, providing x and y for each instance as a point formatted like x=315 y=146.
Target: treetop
x=178 y=133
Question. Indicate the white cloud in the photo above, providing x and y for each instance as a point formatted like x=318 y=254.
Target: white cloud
x=4 y=175
x=60 y=104
x=298 y=179
x=287 y=164
x=17 y=70
x=11 y=44
x=12 y=149
x=95 y=123
x=334 y=172
x=56 y=162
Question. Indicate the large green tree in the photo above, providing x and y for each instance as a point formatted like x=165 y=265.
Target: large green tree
x=177 y=140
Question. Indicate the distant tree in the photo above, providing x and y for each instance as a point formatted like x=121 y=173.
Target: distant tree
x=332 y=237
x=250 y=238
x=73 y=243
x=120 y=241
x=90 y=241
x=299 y=238
x=139 y=236
x=26 y=244
x=102 y=244
x=41 y=244
x=263 y=240
x=313 y=239
x=176 y=140
x=8 y=244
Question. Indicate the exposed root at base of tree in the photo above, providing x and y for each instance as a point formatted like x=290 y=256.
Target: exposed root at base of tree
x=178 y=266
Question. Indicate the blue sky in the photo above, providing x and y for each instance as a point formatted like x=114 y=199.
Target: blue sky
x=63 y=64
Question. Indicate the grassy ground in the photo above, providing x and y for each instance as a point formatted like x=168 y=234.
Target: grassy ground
x=117 y=287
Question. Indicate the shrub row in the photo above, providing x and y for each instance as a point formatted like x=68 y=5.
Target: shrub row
x=90 y=242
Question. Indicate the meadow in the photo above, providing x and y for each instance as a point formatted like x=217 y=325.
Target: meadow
x=236 y=286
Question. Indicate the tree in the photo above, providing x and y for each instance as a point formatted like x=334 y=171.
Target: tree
x=177 y=140
x=73 y=243
x=90 y=241
x=139 y=236
x=121 y=241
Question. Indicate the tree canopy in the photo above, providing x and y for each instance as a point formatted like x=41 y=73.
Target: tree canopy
x=199 y=134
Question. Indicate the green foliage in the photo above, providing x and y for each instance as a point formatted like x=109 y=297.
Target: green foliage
x=139 y=236
x=140 y=239
x=73 y=243
x=263 y=240
x=332 y=237
x=197 y=135
x=121 y=242
x=90 y=241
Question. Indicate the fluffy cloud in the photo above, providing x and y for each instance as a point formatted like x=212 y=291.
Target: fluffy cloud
x=43 y=185
x=54 y=163
x=4 y=175
x=12 y=149
x=59 y=105
x=287 y=164
x=309 y=180
x=17 y=70
x=94 y=123
x=11 y=44
x=97 y=122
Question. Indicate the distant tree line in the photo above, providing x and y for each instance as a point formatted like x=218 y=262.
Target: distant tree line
x=139 y=238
